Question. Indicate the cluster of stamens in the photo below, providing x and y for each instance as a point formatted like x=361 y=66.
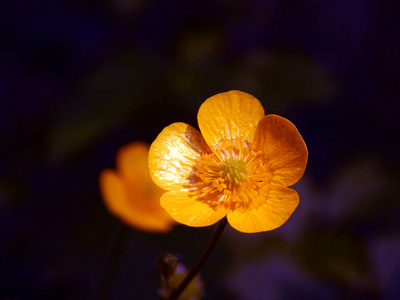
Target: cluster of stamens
x=235 y=170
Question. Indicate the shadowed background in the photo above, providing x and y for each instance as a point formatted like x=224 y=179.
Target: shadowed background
x=79 y=79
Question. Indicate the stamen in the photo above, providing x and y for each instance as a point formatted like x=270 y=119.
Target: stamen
x=233 y=173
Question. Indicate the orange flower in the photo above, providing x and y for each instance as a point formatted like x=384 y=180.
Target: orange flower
x=239 y=166
x=130 y=194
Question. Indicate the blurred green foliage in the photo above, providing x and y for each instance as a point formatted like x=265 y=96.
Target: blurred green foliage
x=116 y=92
x=122 y=89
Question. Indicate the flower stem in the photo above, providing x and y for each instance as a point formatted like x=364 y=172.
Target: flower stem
x=113 y=262
x=200 y=262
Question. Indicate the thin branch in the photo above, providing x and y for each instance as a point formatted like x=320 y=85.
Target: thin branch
x=200 y=262
x=113 y=263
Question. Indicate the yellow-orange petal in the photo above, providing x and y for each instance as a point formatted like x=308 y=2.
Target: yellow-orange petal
x=284 y=148
x=127 y=202
x=189 y=211
x=174 y=153
x=268 y=211
x=132 y=160
x=229 y=115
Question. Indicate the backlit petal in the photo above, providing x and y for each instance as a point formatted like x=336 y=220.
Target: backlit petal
x=268 y=211
x=190 y=211
x=284 y=148
x=132 y=160
x=129 y=203
x=229 y=115
x=174 y=153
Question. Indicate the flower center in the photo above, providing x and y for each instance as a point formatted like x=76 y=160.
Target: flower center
x=233 y=173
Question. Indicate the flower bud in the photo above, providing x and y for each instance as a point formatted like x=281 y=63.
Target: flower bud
x=166 y=264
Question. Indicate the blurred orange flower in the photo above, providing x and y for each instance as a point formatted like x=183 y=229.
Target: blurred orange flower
x=239 y=166
x=131 y=195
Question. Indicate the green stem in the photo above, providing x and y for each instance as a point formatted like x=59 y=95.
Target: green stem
x=113 y=263
x=200 y=262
